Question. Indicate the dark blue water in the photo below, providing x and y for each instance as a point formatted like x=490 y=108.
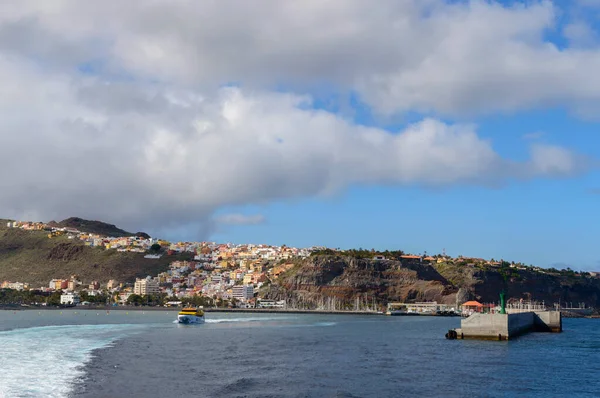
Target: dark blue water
x=247 y=355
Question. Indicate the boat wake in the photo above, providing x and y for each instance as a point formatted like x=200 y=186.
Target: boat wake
x=262 y=319
x=46 y=361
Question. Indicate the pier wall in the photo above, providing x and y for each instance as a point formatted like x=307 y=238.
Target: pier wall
x=484 y=326
x=508 y=326
x=548 y=321
x=520 y=323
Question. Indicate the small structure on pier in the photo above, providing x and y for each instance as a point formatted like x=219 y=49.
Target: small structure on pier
x=471 y=307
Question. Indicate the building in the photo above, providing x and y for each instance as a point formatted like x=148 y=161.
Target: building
x=243 y=292
x=123 y=297
x=247 y=279
x=112 y=284
x=423 y=307
x=14 y=285
x=73 y=282
x=58 y=284
x=263 y=303
x=472 y=306
x=146 y=286
x=95 y=285
x=70 y=298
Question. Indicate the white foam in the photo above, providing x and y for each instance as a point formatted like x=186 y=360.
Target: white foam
x=246 y=319
x=325 y=323
x=46 y=361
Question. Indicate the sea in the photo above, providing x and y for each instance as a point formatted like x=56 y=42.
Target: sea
x=119 y=353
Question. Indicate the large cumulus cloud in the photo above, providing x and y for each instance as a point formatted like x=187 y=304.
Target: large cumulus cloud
x=126 y=111
x=455 y=58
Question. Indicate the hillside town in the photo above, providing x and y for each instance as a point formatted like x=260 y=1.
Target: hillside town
x=222 y=272
x=225 y=274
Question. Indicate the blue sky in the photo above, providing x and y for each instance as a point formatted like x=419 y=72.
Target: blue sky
x=542 y=222
x=469 y=126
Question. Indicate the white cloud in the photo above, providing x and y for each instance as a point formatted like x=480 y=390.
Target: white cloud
x=144 y=156
x=240 y=219
x=580 y=34
x=152 y=138
x=554 y=160
x=457 y=58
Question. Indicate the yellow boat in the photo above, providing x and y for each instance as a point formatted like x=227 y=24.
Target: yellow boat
x=190 y=315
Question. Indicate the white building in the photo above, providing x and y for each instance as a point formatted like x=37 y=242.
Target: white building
x=69 y=298
x=123 y=297
x=18 y=286
x=146 y=286
x=153 y=256
x=271 y=303
x=243 y=292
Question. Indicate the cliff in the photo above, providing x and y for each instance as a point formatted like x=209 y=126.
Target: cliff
x=342 y=282
x=339 y=282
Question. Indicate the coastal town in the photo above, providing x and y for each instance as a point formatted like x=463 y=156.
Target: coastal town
x=221 y=272
x=215 y=274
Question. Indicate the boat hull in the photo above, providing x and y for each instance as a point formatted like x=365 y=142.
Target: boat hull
x=397 y=313
x=190 y=319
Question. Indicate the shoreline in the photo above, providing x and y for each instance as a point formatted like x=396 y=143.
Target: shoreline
x=206 y=310
x=16 y=307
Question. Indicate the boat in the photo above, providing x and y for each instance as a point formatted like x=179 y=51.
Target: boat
x=396 y=312
x=190 y=315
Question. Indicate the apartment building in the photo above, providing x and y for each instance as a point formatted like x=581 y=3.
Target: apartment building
x=242 y=292
x=146 y=286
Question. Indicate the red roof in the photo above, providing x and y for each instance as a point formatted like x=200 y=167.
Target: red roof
x=472 y=304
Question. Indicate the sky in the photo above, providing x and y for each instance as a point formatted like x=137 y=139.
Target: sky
x=469 y=127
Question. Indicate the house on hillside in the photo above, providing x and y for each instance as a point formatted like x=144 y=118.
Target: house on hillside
x=410 y=259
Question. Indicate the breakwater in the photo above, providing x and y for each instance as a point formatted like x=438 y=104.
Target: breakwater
x=506 y=326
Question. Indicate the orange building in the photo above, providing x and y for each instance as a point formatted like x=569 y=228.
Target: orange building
x=472 y=306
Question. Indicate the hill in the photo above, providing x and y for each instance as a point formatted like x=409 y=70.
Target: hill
x=94 y=227
x=347 y=282
x=29 y=256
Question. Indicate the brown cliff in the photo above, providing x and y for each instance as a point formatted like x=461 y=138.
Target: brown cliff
x=343 y=282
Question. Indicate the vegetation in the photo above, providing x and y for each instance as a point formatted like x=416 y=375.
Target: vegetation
x=10 y=296
x=148 y=299
x=360 y=253
x=198 y=301
x=94 y=227
x=29 y=256
x=102 y=298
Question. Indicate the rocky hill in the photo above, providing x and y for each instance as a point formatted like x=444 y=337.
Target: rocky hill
x=29 y=256
x=94 y=227
x=341 y=282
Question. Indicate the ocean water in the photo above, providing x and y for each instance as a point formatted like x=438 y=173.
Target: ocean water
x=77 y=353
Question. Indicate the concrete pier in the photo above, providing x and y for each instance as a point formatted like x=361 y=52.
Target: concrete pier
x=507 y=326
